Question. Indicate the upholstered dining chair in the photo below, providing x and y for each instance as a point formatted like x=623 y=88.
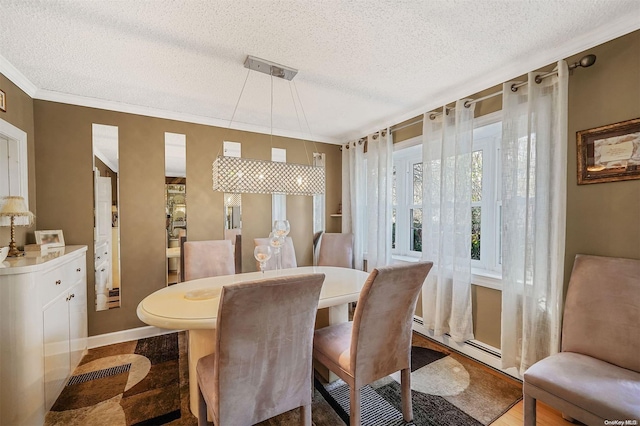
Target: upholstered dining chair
x=208 y=259
x=336 y=250
x=288 y=254
x=261 y=366
x=378 y=340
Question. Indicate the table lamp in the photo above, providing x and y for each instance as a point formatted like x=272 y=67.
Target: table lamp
x=12 y=207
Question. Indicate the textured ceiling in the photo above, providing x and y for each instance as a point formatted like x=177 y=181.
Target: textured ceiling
x=362 y=64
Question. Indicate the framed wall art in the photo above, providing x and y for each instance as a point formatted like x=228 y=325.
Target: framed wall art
x=609 y=153
x=3 y=101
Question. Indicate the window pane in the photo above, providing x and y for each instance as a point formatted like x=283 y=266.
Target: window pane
x=416 y=229
x=394 y=197
x=417 y=184
x=475 y=233
x=393 y=228
x=476 y=177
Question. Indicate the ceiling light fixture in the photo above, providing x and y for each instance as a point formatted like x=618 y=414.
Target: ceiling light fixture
x=243 y=175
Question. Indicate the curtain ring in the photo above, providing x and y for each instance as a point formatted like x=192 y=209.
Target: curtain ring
x=432 y=116
x=538 y=79
x=467 y=104
x=384 y=133
x=514 y=88
x=375 y=136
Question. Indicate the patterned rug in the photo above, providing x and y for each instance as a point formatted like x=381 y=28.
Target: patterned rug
x=445 y=391
x=145 y=382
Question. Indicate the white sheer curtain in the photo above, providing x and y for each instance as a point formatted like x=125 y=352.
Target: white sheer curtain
x=534 y=167
x=353 y=196
x=446 y=237
x=379 y=170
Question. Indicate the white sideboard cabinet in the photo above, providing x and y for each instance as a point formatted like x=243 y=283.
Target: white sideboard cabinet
x=43 y=330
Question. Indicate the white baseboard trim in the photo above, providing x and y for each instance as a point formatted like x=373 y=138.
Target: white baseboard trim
x=484 y=357
x=125 y=336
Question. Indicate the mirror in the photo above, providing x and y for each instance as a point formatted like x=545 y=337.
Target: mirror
x=106 y=222
x=175 y=161
x=232 y=202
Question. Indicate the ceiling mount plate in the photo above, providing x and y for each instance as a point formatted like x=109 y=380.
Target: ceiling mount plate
x=271 y=68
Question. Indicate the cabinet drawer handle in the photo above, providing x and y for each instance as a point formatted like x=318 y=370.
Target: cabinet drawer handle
x=106 y=252
x=102 y=270
x=58 y=282
x=72 y=296
x=98 y=257
x=79 y=270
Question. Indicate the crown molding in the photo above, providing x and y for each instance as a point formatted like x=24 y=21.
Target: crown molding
x=65 y=98
x=17 y=77
x=595 y=37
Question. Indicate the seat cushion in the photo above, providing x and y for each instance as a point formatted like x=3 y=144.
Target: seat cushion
x=334 y=343
x=603 y=389
x=207 y=379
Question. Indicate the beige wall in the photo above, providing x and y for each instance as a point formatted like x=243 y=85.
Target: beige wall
x=603 y=218
x=20 y=114
x=65 y=196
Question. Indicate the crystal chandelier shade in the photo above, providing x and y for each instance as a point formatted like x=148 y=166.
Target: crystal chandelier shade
x=244 y=175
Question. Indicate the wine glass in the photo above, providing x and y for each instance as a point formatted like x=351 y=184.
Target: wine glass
x=276 y=241
x=281 y=228
x=262 y=253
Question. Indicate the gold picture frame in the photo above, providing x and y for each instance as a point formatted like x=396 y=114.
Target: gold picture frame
x=3 y=101
x=609 y=153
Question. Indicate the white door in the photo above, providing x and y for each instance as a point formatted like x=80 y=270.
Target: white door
x=56 y=348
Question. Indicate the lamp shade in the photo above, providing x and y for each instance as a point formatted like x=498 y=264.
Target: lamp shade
x=15 y=206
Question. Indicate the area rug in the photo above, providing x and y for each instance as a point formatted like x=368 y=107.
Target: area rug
x=146 y=382
x=445 y=391
x=132 y=383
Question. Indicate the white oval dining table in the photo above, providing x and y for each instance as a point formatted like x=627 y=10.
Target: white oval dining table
x=193 y=305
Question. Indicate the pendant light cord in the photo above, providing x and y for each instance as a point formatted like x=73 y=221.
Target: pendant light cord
x=235 y=109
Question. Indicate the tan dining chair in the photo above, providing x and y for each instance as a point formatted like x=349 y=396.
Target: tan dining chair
x=378 y=340
x=336 y=250
x=261 y=366
x=595 y=377
x=209 y=258
x=288 y=253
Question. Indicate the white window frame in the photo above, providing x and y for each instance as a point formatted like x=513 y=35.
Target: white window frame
x=488 y=271
x=405 y=155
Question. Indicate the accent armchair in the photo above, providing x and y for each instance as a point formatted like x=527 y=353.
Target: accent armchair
x=378 y=341
x=596 y=376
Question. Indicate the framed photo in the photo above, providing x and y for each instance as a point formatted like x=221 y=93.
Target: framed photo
x=50 y=238
x=3 y=101
x=609 y=153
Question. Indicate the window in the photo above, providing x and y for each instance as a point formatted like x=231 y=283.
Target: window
x=486 y=206
x=406 y=194
x=486 y=193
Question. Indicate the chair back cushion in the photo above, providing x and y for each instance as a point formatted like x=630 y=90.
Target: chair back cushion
x=336 y=250
x=383 y=319
x=264 y=345
x=288 y=254
x=602 y=310
x=208 y=259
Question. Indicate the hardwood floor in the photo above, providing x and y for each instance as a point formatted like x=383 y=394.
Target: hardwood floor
x=546 y=415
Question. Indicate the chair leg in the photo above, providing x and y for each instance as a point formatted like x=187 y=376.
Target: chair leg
x=202 y=409
x=305 y=415
x=405 y=383
x=354 y=412
x=529 y=410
